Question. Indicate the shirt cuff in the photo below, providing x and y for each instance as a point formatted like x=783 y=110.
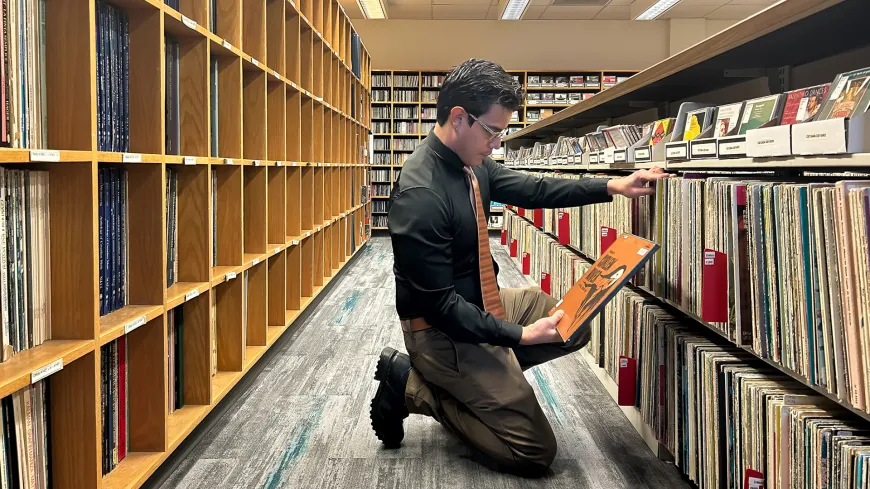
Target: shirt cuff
x=596 y=190
x=510 y=334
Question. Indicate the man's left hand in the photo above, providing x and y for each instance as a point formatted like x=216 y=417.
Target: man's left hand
x=641 y=182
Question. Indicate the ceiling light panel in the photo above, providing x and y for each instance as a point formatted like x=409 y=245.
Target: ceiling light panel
x=657 y=9
x=514 y=9
x=372 y=9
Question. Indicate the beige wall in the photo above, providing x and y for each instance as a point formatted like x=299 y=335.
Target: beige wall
x=528 y=44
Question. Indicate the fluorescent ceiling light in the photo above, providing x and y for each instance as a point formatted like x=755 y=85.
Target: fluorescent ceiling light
x=372 y=9
x=514 y=9
x=657 y=9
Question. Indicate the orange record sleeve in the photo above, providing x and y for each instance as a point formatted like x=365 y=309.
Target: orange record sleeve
x=588 y=296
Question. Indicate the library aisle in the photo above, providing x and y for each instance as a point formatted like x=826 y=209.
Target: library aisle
x=303 y=419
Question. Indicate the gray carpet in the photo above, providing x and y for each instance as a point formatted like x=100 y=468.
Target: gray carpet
x=303 y=422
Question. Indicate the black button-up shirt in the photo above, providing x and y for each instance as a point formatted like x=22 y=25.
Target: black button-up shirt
x=433 y=229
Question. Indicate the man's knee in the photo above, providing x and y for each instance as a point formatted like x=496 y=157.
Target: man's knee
x=537 y=456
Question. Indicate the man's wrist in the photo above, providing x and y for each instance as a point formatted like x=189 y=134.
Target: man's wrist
x=613 y=186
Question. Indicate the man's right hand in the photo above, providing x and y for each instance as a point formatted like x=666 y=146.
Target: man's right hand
x=543 y=330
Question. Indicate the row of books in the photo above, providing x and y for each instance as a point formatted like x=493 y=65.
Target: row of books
x=114 y=264
x=791 y=257
x=728 y=419
x=565 y=81
x=25 y=244
x=113 y=75
x=25 y=447
x=558 y=98
x=405 y=112
x=114 y=405
x=381 y=80
x=405 y=95
x=23 y=91
x=406 y=81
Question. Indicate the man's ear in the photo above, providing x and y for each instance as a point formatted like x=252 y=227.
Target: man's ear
x=457 y=115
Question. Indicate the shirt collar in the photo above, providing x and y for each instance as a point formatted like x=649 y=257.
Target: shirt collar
x=446 y=154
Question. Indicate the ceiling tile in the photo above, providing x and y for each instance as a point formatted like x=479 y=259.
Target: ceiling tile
x=533 y=13
x=462 y=2
x=409 y=12
x=688 y=12
x=614 y=12
x=752 y=2
x=494 y=11
x=570 y=13
x=734 y=12
x=695 y=3
x=620 y=2
x=540 y=2
x=455 y=12
x=408 y=2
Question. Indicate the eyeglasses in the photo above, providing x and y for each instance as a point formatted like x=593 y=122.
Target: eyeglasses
x=492 y=132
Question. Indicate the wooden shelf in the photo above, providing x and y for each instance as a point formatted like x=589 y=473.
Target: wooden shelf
x=812 y=30
x=114 y=324
x=16 y=372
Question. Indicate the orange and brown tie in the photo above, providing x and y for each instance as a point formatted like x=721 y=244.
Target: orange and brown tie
x=488 y=286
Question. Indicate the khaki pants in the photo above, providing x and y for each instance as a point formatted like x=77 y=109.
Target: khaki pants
x=479 y=392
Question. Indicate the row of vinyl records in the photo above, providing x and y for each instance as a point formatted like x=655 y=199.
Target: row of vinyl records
x=403 y=112
x=402 y=127
x=382 y=80
x=383 y=144
x=404 y=95
x=729 y=420
x=781 y=267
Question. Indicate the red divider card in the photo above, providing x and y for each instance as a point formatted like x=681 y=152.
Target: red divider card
x=527 y=263
x=521 y=212
x=513 y=249
x=608 y=236
x=714 y=296
x=545 y=282
x=564 y=229
x=627 y=381
x=538 y=218
x=503 y=236
x=753 y=479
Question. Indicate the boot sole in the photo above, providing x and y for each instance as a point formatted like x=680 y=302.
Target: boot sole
x=383 y=367
x=387 y=433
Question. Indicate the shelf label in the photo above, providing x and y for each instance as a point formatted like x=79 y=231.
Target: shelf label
x=292 y=163
x=256 y=63
x=193 y=294
x=230 y=276
x=131 y=158
x=308 y=234
x=295 y=242
x=43 y=372
x=45 y=155
x=277 y=250
x=132 y=325
x=255 y=262
x=188 y=22
x=256 y=162
x=678 y=151
x=227 y=45
x=228 y=161
x=190 y=160
x=293 y=85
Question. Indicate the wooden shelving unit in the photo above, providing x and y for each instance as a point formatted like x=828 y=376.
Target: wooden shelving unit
x=294 y=122
x=399 y=125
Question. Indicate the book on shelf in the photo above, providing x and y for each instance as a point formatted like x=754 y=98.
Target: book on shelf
x=114 y=261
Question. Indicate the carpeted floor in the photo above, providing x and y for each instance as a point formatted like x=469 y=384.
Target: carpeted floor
x=303 y=422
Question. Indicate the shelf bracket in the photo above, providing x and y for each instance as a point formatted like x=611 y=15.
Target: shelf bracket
x=779 y=79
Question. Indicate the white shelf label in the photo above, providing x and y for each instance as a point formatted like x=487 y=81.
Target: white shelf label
x=227 y=45
x=190 y=160
x=279 y=163
x=255 y=261
x=308 y=234
x=188 y=22
x=256 y=162
x=230 y=276
x=256 y=63
x=295 y=242
x=131 y=158
x=292 y=163
x=293 y=85
x=132 y=325
x=228 y=161
x=43 y=372
x=277 y=250
x=45 y=155
x=276 y=75
x=193 y=294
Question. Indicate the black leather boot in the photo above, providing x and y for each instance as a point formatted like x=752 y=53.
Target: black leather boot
x=388 y=409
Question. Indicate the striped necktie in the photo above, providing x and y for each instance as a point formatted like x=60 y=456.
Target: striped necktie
x=488 y=285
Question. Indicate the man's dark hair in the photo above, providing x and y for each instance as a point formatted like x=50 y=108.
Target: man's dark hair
x=476 y=85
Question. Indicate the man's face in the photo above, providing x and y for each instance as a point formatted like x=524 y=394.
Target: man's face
x=476 y=142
